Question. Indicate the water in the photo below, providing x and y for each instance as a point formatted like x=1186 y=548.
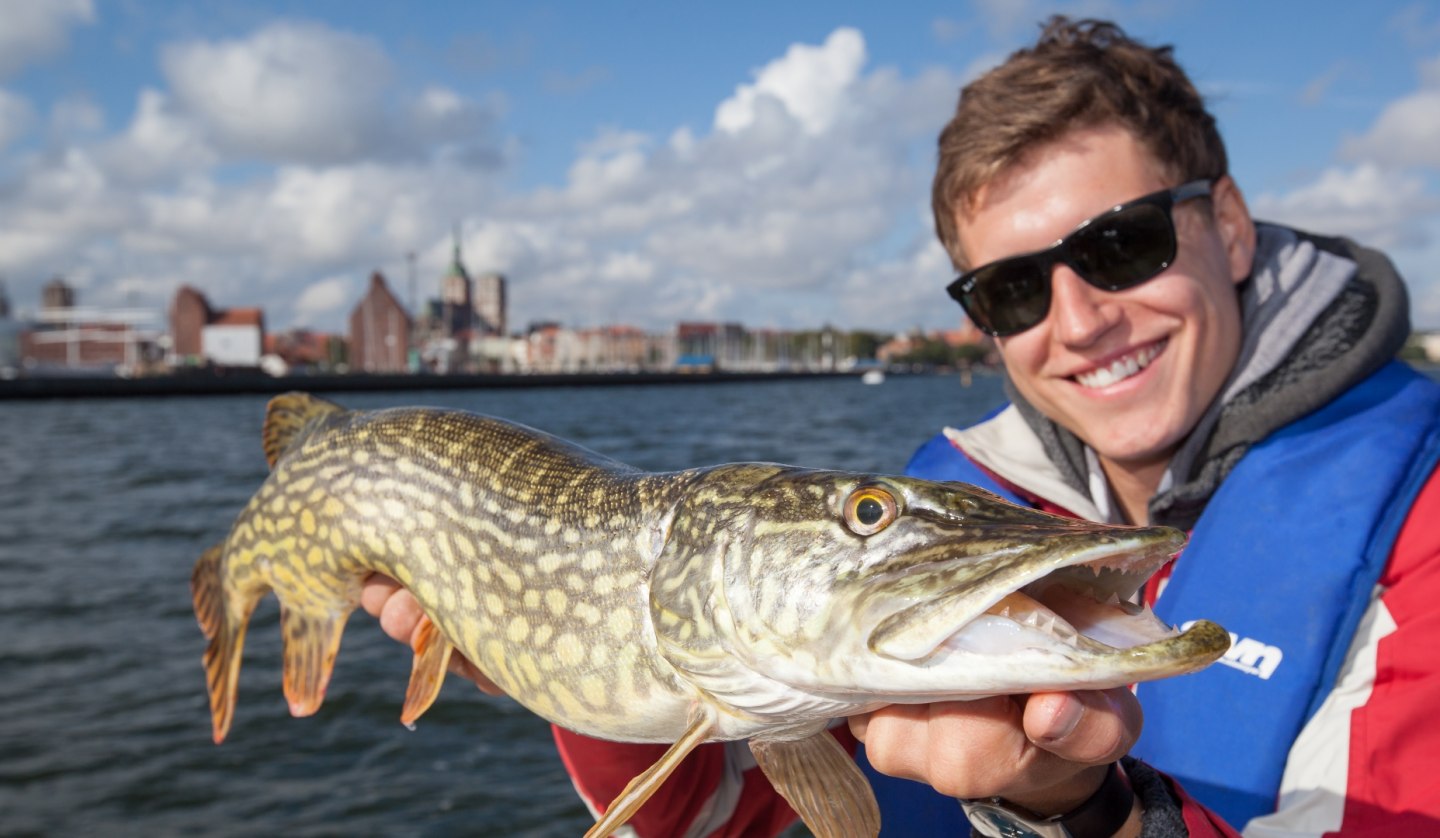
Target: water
x=106 y=504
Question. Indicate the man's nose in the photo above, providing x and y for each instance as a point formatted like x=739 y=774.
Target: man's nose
x=1079 y=312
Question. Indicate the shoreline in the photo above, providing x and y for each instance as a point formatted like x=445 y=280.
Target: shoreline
x=81 y=387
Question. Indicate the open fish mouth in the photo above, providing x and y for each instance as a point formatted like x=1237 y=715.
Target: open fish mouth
x=1076 y=606
x=1087 y=607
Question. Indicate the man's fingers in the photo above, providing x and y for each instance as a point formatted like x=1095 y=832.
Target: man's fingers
x=1090 y=726
x=399 y=614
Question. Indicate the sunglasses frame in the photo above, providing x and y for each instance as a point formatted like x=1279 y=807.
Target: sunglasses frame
x=1166 y=199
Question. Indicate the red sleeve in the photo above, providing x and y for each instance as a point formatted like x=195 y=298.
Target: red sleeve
x=748 y=807
x=1394 y=774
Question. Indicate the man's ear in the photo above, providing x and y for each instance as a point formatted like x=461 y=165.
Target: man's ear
x=1236 y=228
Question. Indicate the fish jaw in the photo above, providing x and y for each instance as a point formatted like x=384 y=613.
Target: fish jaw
x=964 y=595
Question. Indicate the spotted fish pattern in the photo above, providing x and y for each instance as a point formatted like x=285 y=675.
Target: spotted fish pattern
x=742 y=601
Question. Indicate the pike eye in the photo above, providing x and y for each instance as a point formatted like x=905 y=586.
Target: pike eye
x=869 y=510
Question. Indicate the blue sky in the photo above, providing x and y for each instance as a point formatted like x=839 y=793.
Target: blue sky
x=634 y=162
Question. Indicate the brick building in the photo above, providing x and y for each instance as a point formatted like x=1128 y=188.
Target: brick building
x=379 y=331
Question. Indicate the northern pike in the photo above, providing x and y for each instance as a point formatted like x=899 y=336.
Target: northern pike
x=744 y=601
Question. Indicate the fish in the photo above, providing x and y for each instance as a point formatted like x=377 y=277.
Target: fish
x=753 y=601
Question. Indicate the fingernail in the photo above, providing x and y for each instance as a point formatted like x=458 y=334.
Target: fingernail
x=1064 y=720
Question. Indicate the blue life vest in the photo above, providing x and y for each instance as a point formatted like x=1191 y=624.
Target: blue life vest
x=1286 y=557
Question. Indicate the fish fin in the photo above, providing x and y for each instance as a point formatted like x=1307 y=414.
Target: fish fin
x=822 y=783
x=286 y=418
x=205 y=591
x=311 y=642
x=640 y=788
x=427 y=673
x=226 y=633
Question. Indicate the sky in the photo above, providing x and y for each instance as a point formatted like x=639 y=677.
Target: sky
x=632 y=163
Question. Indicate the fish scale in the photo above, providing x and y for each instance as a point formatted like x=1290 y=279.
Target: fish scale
x=740 y=601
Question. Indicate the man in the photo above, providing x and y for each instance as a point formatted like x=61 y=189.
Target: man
x=1170 y=362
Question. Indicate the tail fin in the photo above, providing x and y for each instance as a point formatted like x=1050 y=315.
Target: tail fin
x=288 y=416
x=226 y=632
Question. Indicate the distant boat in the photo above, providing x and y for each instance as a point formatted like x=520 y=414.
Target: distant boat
x=873 y=377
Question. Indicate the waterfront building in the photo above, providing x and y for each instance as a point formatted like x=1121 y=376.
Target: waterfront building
x=201 y=334
x=379 y=331
x=490 y=302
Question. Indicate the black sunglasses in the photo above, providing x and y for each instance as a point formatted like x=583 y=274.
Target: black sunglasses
x=1118 y=249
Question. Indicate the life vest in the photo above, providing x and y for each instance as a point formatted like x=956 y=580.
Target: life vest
x=1286 y=557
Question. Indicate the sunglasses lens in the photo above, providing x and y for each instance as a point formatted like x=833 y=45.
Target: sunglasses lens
x=1009 y=297
x=1124 y=249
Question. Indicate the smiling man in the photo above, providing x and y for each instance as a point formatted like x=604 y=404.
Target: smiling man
x=1171 y=361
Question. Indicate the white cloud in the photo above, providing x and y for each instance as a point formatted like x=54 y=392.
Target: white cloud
x=809 y=82
x=1407 y=132
x=305 y=93
x=328 y=296
x=776 y=222
x=34 y=30
x=1375 y=206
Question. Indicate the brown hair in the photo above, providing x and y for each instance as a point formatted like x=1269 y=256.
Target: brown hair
x=1079 y=74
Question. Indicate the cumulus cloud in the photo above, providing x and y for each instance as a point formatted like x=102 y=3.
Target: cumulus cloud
x=16 y=116
x=808 y=82
x=37 y=30
x=306 y=93
x=266 y=171
x=1376 y=206
x=1407 y=132
x=328 y=296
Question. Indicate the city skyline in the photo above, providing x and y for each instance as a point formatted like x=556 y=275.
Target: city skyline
x=632 y=164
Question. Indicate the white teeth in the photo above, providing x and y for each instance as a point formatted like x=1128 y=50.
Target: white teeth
x=1121 y=368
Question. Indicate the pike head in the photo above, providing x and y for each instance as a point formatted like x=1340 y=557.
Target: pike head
x=785 y=591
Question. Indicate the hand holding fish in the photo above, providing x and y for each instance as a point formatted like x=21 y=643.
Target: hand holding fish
x=1047 y=752
x=400 y=616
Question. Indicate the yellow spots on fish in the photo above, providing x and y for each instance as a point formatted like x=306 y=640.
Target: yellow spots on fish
x=316 y=557
x=284 y=524
x=603 y=585
x=403 y=574
x=549 y=563
x=620 y=623
x=426 y=519
x=332 y=508
x=360 y=456
x=531 y=599
x=374 y=543
x=465 y=548
x=394 y=544
x=552 y=526
x=518 y=629
x=556 y=601
x=494 y=604
x=569 y=650
x=542 y=634
x=576 y=582
x=592 y=689
x=509 y=578
x=592 y=561
x=529 y=669
x=395 y=509
x=587 y=612
x=277 y=506
x=307 y=522
x=337 y=540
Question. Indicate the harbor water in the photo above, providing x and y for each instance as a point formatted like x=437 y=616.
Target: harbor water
x=105 y=505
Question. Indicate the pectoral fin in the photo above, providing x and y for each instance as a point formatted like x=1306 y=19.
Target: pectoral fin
x=427 y=673
x=640 y=788
x=822 y=783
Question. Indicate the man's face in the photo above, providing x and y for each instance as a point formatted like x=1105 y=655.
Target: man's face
x=1128 y=372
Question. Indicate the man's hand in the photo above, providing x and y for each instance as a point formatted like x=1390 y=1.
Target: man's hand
x=1046 y=752
x=400 y=615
